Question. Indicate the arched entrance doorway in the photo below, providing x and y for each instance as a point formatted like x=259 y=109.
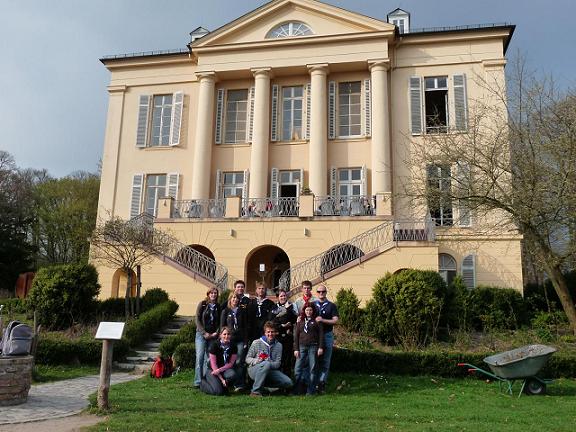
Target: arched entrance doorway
x=265 y=264
x=189 y=259
x=119 y=282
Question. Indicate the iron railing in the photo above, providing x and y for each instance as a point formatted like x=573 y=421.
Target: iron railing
x=270 y=207
x=381 y=236
x=199 y=208
x=185 y=255
x=345 y=205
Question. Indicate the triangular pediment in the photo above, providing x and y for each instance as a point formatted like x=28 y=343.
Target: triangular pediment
x=322 y=19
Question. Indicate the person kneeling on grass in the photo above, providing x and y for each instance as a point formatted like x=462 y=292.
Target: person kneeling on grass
x=220 y=374
x=264 y=359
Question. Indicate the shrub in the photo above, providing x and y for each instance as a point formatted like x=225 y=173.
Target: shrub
x=497 y=308
x=187 y=334
x=406 y=307
x=64 y=294
x=350 y=314
x=57 y=349
x=544 y=298
x=547 y=324
x=14 y=306
x=459 y=307
x=185 y=356
x=111 y=308
x=139 y=330
x=153 y=297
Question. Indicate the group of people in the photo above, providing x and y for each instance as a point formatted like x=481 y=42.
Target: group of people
x=268 y=340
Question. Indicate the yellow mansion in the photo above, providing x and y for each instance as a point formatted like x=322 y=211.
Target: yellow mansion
x=271 y=149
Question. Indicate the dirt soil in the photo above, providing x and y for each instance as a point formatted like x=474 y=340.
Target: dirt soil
x=66 y=424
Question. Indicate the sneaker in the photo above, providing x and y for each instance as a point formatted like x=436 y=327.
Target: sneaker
x=238 y=389
x=321 y=387
x=255 y=395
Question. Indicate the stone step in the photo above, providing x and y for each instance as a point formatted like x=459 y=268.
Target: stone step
x=140 y=359
x=150 y=354
x=151 y=346
x=171 y=331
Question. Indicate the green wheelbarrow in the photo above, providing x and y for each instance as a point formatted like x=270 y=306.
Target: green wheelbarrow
x=520 y=364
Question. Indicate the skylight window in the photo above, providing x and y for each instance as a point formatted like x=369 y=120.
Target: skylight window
x=290 y=29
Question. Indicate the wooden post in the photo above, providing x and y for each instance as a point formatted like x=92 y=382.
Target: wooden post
x=105 y=372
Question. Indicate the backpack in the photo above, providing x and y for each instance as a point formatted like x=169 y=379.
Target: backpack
x=17 y=339
x=162 y=367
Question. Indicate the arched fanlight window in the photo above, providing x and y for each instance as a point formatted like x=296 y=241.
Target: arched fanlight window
x=447 y=267
x=289 y=29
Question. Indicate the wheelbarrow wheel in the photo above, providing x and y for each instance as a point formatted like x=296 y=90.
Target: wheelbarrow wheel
x=534 y=387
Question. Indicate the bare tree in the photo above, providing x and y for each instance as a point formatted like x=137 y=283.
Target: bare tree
x=126 y=245
x=514 y=169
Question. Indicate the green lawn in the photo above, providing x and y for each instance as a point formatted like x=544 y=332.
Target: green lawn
x=355 y=403
x=45 y=373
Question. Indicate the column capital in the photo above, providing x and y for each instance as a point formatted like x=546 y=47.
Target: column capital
x=323 y=68
x=206 y=75
x=262 y=72
x=379 y=64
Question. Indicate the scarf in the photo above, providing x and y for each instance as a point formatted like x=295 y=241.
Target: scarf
x=225 y=351
x=212 y=313
x=235 y=316
x=269 y=345
x=307 y=322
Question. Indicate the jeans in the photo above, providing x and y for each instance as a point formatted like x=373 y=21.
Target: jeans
x=201 y=358
x=324 y=360
x=240 y=365
x=213 y=386
x=264 y=376
x=305 y=369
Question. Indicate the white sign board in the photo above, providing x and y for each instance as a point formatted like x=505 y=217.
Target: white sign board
x=110 y=330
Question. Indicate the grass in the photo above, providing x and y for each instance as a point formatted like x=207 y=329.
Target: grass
x=354 y=403
x=43 y=373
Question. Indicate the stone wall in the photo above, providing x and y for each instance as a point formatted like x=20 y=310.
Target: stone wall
x=15 y=379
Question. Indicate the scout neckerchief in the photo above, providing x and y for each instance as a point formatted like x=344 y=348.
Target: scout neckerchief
x=322 y=307
x=307 y=321
x=259 y=302
x=268 y=344
x=225 y=351
x=212 y=313
x=235 y=316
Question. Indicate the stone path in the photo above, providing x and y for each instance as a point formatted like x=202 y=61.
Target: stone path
x=58 y=399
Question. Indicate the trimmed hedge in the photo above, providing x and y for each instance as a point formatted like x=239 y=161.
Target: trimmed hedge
x=57 y=349
x=111 y=308
x=186 y=335
x=139 y=330
x=153 y=297
x=442 y=364
x=185 y=356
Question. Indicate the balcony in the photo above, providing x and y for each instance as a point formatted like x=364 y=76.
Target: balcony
x=305 y=206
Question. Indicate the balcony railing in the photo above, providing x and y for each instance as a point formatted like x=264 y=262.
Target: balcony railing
x=199 y=209
x=361 y=205
x=270 y=207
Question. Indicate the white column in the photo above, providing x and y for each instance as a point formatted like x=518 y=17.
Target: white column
x=260 y=134
x=381 y=147
x=202 y=164
x=318 y=153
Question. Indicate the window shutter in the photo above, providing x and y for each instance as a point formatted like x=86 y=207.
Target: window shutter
x=333 y=185
x=460 y=103
x=218 y=194
x=250 y=128
x=245 y=186
x=363 y=178
x=176 y=123
x=469 y=271
x=332 y=109
x=308 y=110
x=367 y=107
x=142 y=130
x=219 y=115
x=136 y=199
x=274 y=119
x=274 y=186
x=416 y=105
x=463 y=183
x=173 y=182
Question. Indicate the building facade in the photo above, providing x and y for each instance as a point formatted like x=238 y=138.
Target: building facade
x=273 y=149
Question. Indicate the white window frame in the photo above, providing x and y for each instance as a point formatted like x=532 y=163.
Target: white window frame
x=439 y=179
x=444 y=268
x=340 y=115
x=240 y=134
x=234 y=187
x=160 y=191
x=437 y=88
x=350 y=183
x=290 y=29
x=293 y=100
x=162 y=111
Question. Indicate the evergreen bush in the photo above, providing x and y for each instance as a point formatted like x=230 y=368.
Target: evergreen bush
x=64 y=294
x=153 y=297
x=350 y=314
x=497 y=308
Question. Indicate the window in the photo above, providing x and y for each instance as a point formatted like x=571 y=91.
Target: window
x=349 y=109
x=439 y=199
x=436 y=104
x=233 y=184
x=155 y=189
x=292 y=102
x=400 y=23
x=350 y=182
x=236 y=116
x=290 y=29
x=447 y=267
x=159 y=120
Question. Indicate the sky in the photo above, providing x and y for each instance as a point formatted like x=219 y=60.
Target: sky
x=53 y=97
